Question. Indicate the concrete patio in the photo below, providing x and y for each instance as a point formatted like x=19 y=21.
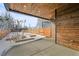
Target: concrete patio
x=12 y=41
x=41 y=47
x=39 y=29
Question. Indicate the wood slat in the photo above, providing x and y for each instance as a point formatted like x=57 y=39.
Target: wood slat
x=44 y=10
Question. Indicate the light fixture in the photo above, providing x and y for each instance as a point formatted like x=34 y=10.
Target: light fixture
x=38 y=11
x=24 y=6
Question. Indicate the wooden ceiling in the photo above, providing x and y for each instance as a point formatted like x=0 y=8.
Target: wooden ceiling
x=42 y=10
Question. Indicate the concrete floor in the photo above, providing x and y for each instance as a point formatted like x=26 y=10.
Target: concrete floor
x=41 y=48
x=5 y=45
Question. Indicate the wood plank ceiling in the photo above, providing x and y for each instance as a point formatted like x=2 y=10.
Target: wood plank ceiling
x=43 y=10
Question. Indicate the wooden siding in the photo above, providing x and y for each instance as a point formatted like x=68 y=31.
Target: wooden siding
x=68 y=30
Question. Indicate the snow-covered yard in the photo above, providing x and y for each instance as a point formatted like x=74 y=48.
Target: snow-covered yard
x=16 y=38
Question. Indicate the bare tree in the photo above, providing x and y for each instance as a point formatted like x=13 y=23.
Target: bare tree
x=7 y=21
